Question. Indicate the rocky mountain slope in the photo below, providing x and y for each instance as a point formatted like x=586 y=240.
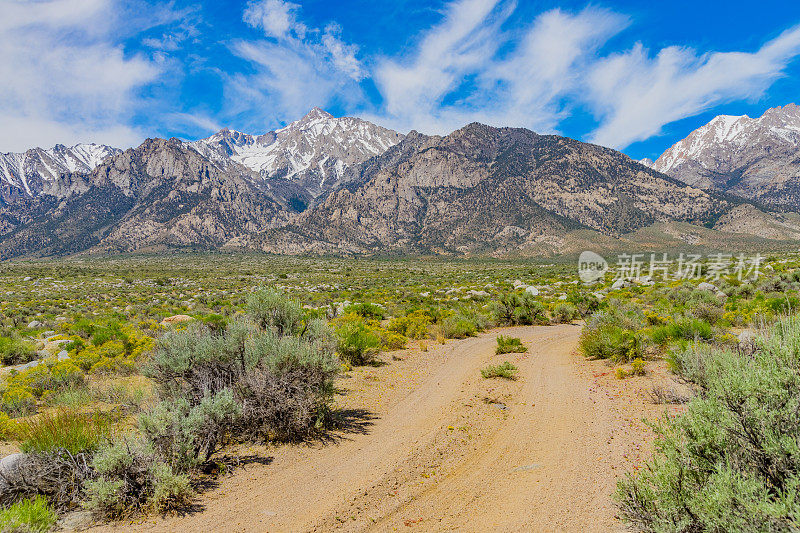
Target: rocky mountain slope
x=314 y=151
x=754 y=158
x=479 y=190
x=159 y=194
x=482 y=190
x=30 y=172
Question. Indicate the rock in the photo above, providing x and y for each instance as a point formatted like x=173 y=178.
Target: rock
x=60 y=319
x=33 y=324
x=533 y=291
x=27 y=278
x=11 y=469
x=706 y=286
x=598 y=295
x=478 y=294
x=175 y=319
x=519 y=285
x=710 y=287
x=747 y=341
x=62 y=355
x=621 y=284
x=747 y=335
x=647 y=281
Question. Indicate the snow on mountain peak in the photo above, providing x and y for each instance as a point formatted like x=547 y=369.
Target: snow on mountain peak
x=29 y=171
x=715 y=146
x=314 y=150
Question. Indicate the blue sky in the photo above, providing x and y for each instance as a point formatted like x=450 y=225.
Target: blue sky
x=636 y=76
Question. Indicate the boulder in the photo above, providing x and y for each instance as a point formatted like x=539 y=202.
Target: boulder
x=12 y=467
x=620 y=284
x=33 y=324
x=533 y=291
x=62 y=355
x=175 y=319
x=478 y=294
x=519 y=285
x=27 y=278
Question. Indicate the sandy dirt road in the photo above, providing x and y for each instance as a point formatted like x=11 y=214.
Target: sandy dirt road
x=432 y=446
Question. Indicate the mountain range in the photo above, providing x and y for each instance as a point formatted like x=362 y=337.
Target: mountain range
x=347 y=186
x=754 y=158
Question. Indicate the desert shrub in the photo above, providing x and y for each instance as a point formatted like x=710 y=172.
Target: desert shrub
x=458 y=327
x=66 y=430
x=505 y=370
x=215 y=323
x=18 y=401
x=391 y=340
x=270 y=377
x=682 y=328
x=414 y=325
x=49 y=376
x=14 y=351
x=31 y=515
x=356 y=343
x=620 y=373
x=366 y=310
x=185 y=435
x=612 y=334
x=730 y=463
x=509 y=345
x=131 y=478
x=638 y=367
x=710 y=312
x=564 y=313
x=585 y=303
x=272 y=310
x=514 y=309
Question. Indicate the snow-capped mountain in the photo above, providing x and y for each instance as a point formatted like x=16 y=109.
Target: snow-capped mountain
x=28 y=173
x=314 y=151
x=751 y=157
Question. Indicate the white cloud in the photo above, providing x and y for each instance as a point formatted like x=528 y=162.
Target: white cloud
x=635 y=94
x=296 y=67
x=468 y=68
x=63 y=79
x=277 y=18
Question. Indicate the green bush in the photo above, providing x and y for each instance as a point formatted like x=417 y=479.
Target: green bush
x=131 y=478
x=731 y=462
x=31 y=515
x=509 y=345
x=414 y=325
x=66 y=429
x=505 y=371
x=357 y=343
x=366 y=310
x=15 y=351
x=514 y=309
x=564 y=313
x=272 y=310
x=458 y=327
x=603 y=338
x=267 y=378
x=687 y=328
x=185 y=435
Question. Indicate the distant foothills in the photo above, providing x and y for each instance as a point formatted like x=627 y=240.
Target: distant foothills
x=345 y=186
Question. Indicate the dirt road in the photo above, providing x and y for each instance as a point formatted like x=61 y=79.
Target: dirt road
x=433 y=446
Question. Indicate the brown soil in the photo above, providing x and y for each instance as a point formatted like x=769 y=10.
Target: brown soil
x=428 y=444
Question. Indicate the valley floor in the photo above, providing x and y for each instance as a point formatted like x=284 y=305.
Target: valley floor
x=430 y=445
